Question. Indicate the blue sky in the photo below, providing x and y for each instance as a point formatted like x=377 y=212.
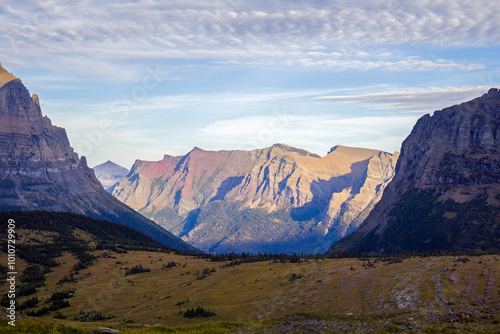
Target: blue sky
x=139 y=79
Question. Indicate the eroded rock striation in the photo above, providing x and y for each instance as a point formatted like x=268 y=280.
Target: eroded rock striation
x=276 y=199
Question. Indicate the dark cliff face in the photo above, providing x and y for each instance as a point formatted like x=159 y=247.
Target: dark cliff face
x=446 y=188
x=467 y=129
x=40 y=171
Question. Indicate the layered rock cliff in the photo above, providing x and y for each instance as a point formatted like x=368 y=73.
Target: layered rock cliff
x=277 y=199
x=446 y=190
x=40 y=171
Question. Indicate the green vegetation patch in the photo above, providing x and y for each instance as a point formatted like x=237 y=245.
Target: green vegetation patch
x=198 y=312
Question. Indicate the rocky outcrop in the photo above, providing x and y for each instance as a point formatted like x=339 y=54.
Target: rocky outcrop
x=275 y=199
x=446 y=188
x=40 y=171
x=109 y=173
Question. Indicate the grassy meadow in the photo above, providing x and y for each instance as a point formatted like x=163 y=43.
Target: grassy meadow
x=253 y=297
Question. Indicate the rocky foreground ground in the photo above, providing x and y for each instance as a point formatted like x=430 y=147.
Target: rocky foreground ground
x=479 y=321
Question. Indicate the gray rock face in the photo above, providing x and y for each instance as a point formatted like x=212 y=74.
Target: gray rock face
x=40 y=171
x=16 y=102
x=453 y=154
x=277 y=199
x=109 y=173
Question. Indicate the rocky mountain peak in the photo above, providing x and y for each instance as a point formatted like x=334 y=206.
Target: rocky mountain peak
x=290 y=149
x=6 y=76
x=470 y=128
x=15 y=100
x=493 y=92
x=197 y=149
x=347 y=150
x=334 y=148
x=109 y=173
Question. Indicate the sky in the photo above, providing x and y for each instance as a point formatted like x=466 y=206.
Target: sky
x=139 y=79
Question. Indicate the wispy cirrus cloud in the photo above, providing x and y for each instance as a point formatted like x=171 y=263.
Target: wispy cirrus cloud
x=106 y=31
x=430 y=99
x=227 y=64
x=410 y=63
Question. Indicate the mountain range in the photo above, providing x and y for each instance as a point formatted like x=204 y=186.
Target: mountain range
x=39 y=170
x=445 y=193
x=276 y=199
x=442 y=194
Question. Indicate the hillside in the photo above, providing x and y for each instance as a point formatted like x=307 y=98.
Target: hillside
x=277 y=199
x=446 y=190
x=39 y=170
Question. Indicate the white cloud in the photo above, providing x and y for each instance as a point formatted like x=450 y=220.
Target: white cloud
x=115 y=40
x=399 y=65
x=362 y=54
x=96 y=33
x=430 y=99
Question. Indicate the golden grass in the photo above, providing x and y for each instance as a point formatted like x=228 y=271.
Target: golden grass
x=257 y=291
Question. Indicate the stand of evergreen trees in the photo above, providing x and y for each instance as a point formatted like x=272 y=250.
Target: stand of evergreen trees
x=198 y=312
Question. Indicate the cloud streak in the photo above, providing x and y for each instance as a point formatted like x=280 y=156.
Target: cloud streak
x=430 y=99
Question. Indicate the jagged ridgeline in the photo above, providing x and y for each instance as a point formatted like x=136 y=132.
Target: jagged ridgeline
x=39 y=170
x=276 y=199
x=445 y=194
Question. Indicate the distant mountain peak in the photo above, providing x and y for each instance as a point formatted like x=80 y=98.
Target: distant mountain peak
x=334 y=148
x=109 y=162
x=109 y=173
x=278 y=146
x=196 y=149
x=341 y=150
